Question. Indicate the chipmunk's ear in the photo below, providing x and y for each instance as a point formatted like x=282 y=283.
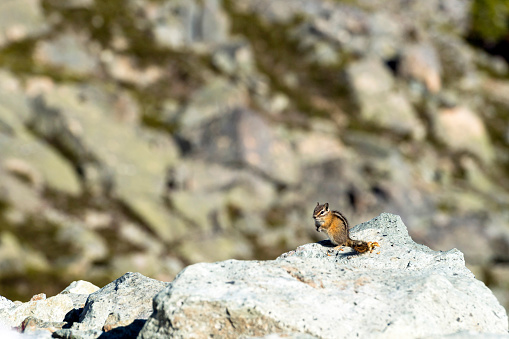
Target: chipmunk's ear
x=326 y=206
x=317 y=204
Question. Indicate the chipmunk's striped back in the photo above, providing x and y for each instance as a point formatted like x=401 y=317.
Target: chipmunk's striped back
x=341 y=217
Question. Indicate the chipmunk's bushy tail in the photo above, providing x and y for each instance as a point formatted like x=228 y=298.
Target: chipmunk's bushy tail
x=362 y=246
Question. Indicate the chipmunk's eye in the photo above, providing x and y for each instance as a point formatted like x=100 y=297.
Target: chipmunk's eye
x=323 y=212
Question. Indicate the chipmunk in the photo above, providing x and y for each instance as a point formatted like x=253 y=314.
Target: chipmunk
x=336 y=227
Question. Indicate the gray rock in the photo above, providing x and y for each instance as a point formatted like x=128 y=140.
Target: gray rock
x=183 y=24
x=69 y=51
x=121 y=303
x=22 y=153
x=455 y=14
x=78 y=291
x=235 y=58
x=282 y=11
x=386 y=34
x=199 y=186
x=21 y=19
x=456 y=57
x=32 y=325
x=405 y=290
x=214 y=99
x=116 y=157
x=379 y=105
x=496 y=93
x=244 y=138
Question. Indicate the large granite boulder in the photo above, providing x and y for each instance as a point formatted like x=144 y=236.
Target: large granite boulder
x=404 y=290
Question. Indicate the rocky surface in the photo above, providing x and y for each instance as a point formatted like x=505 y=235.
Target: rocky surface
x=315 y=291
x=404 y=290
x=82 y=310
x=149 y=135
x=120 y=303
x=42 y=316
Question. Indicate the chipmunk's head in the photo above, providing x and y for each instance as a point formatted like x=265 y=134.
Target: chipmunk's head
x=320 y=214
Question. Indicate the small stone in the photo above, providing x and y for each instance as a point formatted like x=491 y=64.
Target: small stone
x=37 y=297
x=32 y=324
x=80 y=287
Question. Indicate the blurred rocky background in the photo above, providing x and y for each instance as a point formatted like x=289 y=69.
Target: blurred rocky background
x=146 y=135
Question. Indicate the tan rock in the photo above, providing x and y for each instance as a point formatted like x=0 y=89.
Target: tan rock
x=125 y=69
x=462 y=130
x=420 y=62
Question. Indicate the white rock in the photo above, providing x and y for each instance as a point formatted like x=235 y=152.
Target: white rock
x=406 y=291
x=52 y=309
x=80 y=287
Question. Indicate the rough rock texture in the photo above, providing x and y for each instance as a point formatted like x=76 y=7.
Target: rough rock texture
x=41 y=317
x=405 y=290
x=82 y=310
x=51 y=309
x=125 y=301
x=5 y=303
